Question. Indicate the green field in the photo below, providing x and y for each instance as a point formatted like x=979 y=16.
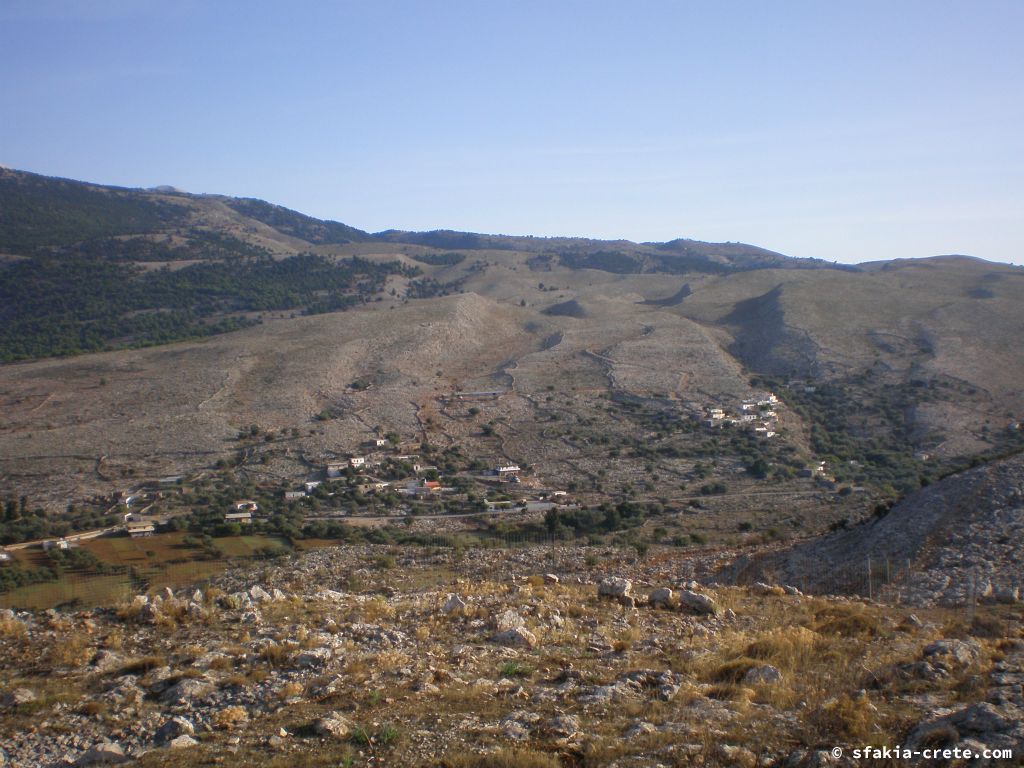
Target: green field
x=160 y=561
x=78 y=589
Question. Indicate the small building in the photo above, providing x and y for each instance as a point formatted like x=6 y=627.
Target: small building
x=312 y=485
x=336 y=468
x=507 y=470
x=242 y=518
x=247 y=505
x=56 y=544
x=357 y=461
x=294 y=495
x=5 y=557
x=140 y=528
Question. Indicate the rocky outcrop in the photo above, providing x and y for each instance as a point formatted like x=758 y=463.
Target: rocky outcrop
x=952 y=543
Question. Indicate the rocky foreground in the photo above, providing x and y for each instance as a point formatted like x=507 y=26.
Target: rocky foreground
x=376 y=656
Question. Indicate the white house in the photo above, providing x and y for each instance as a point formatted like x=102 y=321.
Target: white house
x=140 y=528
x=294 y=495
x=357 y=461
x=243 y=518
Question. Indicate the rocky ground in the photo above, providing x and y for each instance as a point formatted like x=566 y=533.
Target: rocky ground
x=535 y=657
x=955 y=542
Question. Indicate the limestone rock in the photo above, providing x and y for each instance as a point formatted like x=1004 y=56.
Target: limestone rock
x=508 y=620
x=765 y=674
x=615 y=587
x=454 y=604
x=961 y=652
x=660 y=597
x=639 y=729
x=19 y=697
x=697 y=602
x=314 y=658
x=185 y=690
x=334 y=725
x=173 y=729
x=108 y=753
x=519 y=637
x=260 y=595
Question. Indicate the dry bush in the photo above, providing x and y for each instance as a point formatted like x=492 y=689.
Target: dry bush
x=222 y=663
x=847 y=621
x=732 y=672
x=625 y=639
x=844 y=718
x=730 y=692
x=141 y=665
x=785 y=647
x=387 y=661
x=235 y=681
x=358 y=668
x=70 y=651
x=230 y=718
x=114 y=640
x=290 y=691
x=376 y=609
x=93 y=708
x=12 y=628
x=275 y=654
x=192 y=652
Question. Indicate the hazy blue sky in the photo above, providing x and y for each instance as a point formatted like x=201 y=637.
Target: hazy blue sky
x=848 y=131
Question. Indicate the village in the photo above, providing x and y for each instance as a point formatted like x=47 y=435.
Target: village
x=757 y=414
x=384 y=479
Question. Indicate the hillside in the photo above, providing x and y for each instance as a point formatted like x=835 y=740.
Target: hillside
x=603 y=356
x=953 y=542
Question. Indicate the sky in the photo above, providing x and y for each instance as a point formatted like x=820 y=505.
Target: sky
x=848 y=131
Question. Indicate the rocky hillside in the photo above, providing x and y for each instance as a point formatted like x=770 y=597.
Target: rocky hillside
x=365 y=656
x=220 y=314
x=954 y=542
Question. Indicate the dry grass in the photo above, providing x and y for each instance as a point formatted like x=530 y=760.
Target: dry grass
x=290 y=690
x=69 y=651
x=141 y=665
x=502 y=758
x=230 y=718
x=12 y=629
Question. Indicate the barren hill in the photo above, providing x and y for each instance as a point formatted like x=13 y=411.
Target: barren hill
x=326 y=335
